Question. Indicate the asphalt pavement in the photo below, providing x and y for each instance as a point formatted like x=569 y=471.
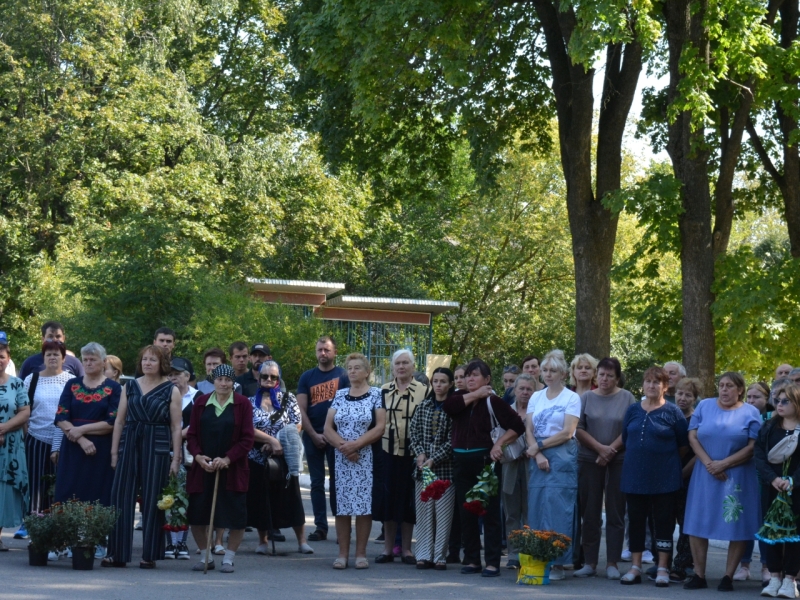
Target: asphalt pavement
x=291 y=575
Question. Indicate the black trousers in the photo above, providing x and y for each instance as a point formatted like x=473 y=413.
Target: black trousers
x=663 y=511
x=782 y=558
x=466 y=468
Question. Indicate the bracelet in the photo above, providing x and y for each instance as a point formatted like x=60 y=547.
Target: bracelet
x=540 y=443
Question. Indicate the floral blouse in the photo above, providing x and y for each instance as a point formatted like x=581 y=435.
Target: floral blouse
x=264 y=421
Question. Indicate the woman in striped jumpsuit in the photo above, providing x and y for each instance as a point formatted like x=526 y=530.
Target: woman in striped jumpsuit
x=149 y=417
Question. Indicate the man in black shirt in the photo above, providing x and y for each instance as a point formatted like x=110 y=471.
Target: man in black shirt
x=249 y=381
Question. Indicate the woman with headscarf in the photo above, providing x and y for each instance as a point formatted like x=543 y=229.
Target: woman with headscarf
x=220 y=437
x=275 y=503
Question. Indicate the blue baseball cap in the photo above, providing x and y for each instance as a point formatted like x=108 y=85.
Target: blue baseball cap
x=3 y=338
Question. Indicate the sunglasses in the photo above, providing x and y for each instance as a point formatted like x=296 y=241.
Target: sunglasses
x=782 y=401
x=270 y=377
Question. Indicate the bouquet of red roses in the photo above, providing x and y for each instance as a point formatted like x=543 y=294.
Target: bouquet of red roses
x=434 y=488
x=486 y=487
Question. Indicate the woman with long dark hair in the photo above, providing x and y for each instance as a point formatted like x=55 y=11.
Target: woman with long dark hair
x=430 y=444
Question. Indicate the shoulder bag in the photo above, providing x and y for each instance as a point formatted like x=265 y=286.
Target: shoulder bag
x=512 y=451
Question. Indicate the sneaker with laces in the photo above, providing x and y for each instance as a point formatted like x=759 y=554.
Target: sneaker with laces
x=771 y=589
x=170 y=552
x=788 y=589
x=182 y=552
x=742 y=573
x=21 y=534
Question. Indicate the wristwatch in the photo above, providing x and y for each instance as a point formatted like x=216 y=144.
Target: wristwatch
x=541 y=445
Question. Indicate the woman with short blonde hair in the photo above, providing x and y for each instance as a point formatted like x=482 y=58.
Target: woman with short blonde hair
x=583 y=373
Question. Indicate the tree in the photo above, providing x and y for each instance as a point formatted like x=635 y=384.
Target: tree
x=416 y=76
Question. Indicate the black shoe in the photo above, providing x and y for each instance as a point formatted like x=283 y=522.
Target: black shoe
x=320 y=535
x=490 y=573
x=469 y=570
x=696 y=583
x=384 y=558
x=725 y=585
x=453 y=559
x=248 y=529
x=380 y=538
x=276 y=535
x=424 y=564
x=652 y=573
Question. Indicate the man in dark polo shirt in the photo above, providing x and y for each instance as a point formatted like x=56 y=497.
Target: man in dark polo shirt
x=51 y=331
x=315 y=391
x=249 y=381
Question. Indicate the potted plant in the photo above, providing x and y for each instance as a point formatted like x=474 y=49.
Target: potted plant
x=537 y=549
x=83 y=526
x=42 y=532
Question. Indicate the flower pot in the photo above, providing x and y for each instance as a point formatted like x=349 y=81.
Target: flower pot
x=83 y=558
x=532 y=571
x=37 y=558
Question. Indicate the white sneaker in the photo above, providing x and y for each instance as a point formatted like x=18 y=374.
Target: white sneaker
x=557 y=574
x=262 y=549
x=626 y=555
x=742 y=573
x=647 y=557
x=788 y=588
x=772 y=588
x=53 y=556
x=585 y=571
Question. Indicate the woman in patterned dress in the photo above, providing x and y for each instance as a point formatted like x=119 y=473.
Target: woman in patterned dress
x=148 y=419
x=356 y=420
x=14 y=413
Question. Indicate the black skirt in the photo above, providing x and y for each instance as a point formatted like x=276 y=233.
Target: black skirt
x=274 y=504
x=231 y=509
x=398 y=502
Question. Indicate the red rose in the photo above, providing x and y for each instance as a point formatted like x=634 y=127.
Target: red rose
x=107 y=391
x=75 y=387
x=80 y=396
x=475 y=507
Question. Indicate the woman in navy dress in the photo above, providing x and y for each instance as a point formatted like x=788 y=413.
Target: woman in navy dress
x=85 y=415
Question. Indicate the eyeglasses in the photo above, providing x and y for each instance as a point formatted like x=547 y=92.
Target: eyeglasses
x=270 y=377
x=782 y=401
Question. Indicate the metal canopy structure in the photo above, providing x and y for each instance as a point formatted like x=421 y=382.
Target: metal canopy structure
x=375 y=326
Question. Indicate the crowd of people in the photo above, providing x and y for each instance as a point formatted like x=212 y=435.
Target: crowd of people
x=567 y=441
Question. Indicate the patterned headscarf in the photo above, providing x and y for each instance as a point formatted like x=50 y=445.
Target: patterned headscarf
x=223 y=371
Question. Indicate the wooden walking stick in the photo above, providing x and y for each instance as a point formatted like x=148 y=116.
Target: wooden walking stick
x=211 y=522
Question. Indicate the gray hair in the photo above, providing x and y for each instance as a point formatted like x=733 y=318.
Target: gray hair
x=268 y=364
x=94 y=349
x=400 y=353
x=795 y=371
x=555 y=358
x=525 y=377
x=681 y=368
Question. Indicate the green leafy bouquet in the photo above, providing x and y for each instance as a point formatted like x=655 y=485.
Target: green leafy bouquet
x=174 y=502
x=780 y=523
x=477 y=498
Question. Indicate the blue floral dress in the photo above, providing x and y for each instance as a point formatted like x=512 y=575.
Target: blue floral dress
x=14 y=490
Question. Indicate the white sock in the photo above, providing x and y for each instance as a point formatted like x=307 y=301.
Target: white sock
x=174 y=535
x=228 y=558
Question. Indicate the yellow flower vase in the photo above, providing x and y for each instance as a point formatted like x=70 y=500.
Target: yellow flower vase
x=532 y=571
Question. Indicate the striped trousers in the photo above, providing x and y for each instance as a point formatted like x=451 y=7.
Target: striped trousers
x=434 y=518
x=37 y=456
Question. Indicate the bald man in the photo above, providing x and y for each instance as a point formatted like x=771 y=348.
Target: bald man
x=783 y=371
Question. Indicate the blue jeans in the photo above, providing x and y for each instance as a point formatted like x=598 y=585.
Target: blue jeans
x=748 y=553
x=316 y=470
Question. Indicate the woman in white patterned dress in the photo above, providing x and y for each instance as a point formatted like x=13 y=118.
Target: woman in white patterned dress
x=355 y=421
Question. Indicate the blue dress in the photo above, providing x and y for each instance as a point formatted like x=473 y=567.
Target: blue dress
x=724 y=510
x=81 y=405
x=14 y=489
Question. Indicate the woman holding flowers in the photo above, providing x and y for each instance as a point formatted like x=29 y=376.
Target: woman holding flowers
x=474 y=449
x=430 y=443
x=779 y=471
x=552 y=418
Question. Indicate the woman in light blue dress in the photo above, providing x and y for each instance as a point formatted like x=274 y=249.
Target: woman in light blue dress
x=723 y=501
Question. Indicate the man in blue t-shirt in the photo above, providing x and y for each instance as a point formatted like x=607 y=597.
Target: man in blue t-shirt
x=51 y=331
x=315 y=392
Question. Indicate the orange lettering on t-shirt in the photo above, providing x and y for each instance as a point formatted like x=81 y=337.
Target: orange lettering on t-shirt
x=322 y=392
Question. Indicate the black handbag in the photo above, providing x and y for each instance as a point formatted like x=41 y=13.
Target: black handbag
x=276 y=468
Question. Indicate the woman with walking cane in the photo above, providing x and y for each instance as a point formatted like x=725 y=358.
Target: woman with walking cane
x=220 y=436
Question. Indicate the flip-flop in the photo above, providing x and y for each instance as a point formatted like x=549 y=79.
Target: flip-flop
x=340 y=563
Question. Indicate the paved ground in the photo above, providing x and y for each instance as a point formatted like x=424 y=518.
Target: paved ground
x=292 y=575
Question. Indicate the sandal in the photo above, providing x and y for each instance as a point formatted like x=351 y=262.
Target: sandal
x=633 y=576
x=147 y=564
x=340 y=563
x=441 y=565
x=362 y=562
x=110 y=562
x=662 y=577
x=219 y=550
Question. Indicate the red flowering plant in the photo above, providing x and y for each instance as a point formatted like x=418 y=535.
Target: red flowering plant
x=174 y=502
x=477 y=498
x=434 y=488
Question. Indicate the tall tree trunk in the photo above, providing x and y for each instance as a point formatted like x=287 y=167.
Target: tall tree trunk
x=593 y=228
x=690 y=162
